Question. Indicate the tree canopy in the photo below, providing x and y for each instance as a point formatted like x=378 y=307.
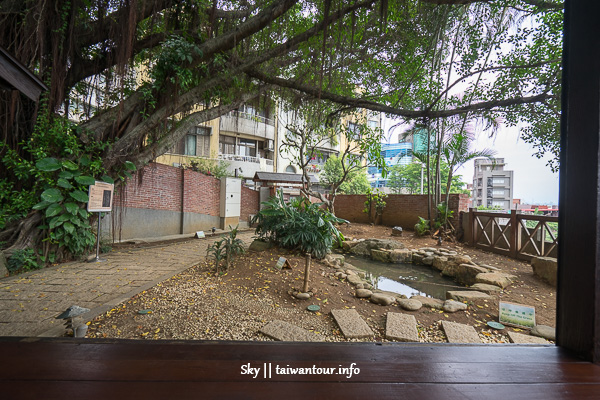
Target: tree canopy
x=136 y=75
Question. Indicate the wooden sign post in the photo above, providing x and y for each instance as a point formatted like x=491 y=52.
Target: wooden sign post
x=100 y=196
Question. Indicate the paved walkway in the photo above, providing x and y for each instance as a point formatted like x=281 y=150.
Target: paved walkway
x=30 y=302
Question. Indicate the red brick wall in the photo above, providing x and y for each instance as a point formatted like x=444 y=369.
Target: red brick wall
x=250 y=203
x=400 y=210
x=202 y=193
x=159 y=188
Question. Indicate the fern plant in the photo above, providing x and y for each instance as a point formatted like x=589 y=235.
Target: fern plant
x=422 y=227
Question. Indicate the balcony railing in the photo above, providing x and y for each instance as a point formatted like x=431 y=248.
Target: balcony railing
x=252 y=117
x=235 y=157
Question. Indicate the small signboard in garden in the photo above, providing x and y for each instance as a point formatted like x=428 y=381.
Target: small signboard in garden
x=517 y=315
x=283 y=263
x=100 y=197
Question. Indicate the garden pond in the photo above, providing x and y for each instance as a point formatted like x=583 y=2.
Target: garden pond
x=405 y=279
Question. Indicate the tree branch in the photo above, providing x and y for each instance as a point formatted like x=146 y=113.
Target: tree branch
x=410 y=114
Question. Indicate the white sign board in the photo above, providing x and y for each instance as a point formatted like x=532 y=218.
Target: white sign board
x=516 y=315
x=100 y=197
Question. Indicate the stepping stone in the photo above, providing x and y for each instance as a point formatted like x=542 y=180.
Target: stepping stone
x=410 y=304
x=453 y=306
x=466 y=295
x=351 y=324
x=286 y=332
x=495 y=278
x=401 y=327
x=460 y=333
x=519 y=338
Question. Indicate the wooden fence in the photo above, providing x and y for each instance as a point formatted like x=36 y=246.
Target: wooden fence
x=511 y=235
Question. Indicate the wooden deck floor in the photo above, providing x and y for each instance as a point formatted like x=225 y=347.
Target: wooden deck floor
x=60 y=368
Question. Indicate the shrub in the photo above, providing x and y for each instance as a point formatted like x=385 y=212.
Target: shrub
x=422 y=227
x=298 y=225
x=24 y=260
x=226 y=249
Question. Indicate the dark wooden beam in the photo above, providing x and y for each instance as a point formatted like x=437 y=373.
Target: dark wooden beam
x=578 y=310
x=15 y=75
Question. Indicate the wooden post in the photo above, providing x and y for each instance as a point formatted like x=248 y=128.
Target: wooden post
x=514 y=234
x=471 y=239
x=578 y=299
x=306 y=274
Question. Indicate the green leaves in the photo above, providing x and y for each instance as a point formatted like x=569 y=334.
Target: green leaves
x=79 y=196
x=85 y=180
x=130 y=166
x=53 y=209
x=72 y=208
x=63 y=183
x=48 y=164
x=68 y=164
x=52 y=195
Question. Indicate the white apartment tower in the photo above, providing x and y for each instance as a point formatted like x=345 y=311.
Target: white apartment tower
x=492 y=184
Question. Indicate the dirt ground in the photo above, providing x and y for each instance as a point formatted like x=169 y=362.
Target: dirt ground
x=198 y=304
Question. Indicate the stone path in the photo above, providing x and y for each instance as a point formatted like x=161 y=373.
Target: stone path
x=401 y=327
x=286 y=332
x=351 y=324
x=30 y=302
x=460 y=333
x=519 y=338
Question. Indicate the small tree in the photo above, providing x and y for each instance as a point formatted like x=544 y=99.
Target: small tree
x=355 y=182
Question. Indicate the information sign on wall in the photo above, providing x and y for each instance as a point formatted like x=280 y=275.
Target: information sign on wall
x=100 y=197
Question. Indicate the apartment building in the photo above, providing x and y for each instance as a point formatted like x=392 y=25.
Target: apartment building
x=492 y=184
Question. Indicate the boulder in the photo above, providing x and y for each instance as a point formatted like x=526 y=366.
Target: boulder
x=417 y=258
x=3 y=265
x=347 y=245
x=466 y=295
x=397 y=231
x=350 y=272
x=382 y=299
x=410 y=304
x=354 y=279
x=440 y=262
x=335 y=259
x=545 y=268
x=401 y=256
x=363 y=293
x=260 y=245
x=428 y=260
x=466 y=273
x=380 y=255
x=303 y=296
x=364 y=248
x=429 y=302
x=341 y=275
x=485 y=288
x=450 y=270
x=453 y=306
x=547 y=332
x=495 y=278
x=460 y=259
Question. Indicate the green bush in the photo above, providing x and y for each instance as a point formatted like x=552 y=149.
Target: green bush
x=23 y=260
x=298 y=225
x=422 y=227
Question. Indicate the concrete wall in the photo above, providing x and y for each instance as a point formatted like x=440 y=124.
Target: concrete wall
x=163 y=200
x=401 y=209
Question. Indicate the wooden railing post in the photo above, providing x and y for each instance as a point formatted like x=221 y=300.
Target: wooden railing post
x=471 y=240
x=514 y=234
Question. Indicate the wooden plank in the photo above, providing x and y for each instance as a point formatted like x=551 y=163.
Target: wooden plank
x=578 y=302
x=292 y=390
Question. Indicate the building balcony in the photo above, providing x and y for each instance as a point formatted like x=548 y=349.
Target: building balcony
x=249 y=124
x=246 y=166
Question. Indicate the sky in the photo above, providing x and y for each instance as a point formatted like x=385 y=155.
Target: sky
x=534 y=182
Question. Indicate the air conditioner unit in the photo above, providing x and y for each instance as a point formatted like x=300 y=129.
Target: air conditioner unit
x=270 y=144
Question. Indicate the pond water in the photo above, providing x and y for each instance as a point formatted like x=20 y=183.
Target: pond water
x=406 y=279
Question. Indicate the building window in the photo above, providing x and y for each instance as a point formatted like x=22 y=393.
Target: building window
x=290 y=169
x=499 y=203
x=247 y=147
x=190 y=145
x=373 y=124
x=354 y=131
x=498 y=181
x=498 y=192
x=226 y=144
